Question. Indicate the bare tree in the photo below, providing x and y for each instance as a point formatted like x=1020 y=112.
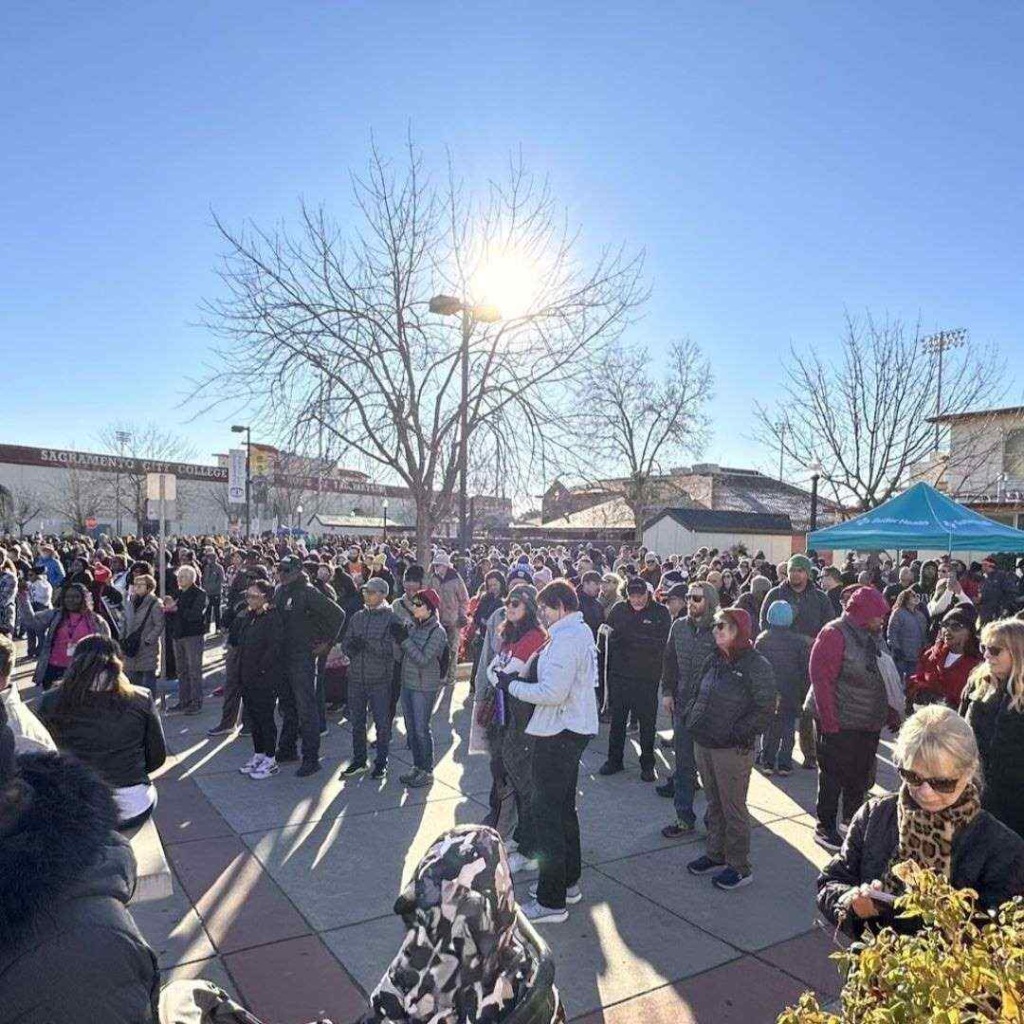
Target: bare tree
x=135 y=442
x=633 y=420
x=79 y=495
x=864 y=416
x=22 y=506
x=330 y=343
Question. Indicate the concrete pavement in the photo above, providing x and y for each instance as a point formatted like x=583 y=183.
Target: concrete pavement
x=284 y=888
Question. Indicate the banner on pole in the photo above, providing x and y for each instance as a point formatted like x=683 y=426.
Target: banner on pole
x=236 y=476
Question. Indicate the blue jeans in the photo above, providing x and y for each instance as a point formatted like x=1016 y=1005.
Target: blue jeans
x=378 y=699
x=417 y=707
x=779 y=737
x=686 y=771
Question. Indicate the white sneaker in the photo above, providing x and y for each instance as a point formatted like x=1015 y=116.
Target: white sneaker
x=267 y=767
x=572 y=895
x=251 y=765
x=518 y=863
x=539 y=914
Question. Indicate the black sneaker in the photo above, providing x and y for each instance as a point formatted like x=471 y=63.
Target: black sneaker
x=308 y=768
x=286 y=756
x=730 y=879
x=379 y=771
x=648 y=775
x=666 y=789
x=831 y=841
x=220 y=730
x=666 y=744
x=704 y=865
x=354 y=769
x=610 y=769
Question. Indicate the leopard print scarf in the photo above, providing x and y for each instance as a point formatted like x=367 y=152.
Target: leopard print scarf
x=927 y=838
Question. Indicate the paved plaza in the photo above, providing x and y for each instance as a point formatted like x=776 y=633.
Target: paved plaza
x=283 y=889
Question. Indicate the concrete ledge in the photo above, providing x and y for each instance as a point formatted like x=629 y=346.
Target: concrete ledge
x=154 y=873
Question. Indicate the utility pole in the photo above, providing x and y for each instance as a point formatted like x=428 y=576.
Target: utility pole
x=122 y=437
x=938 y=343
x=467 y=327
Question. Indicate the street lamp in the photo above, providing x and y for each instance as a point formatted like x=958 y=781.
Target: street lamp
x=449 y=305
x=384 y=506
x=815 y=468
x=939 y=343
x=122 y=437
x=298 y=513
x=248 y=473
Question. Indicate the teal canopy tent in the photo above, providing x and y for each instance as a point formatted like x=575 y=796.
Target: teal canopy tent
x=919 y=518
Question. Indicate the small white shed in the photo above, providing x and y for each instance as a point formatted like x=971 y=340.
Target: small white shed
x=683 y=530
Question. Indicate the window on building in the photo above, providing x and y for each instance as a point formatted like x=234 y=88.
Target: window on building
x=1013 y=455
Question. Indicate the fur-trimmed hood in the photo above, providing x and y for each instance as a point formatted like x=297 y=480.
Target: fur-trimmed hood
x=63 y=843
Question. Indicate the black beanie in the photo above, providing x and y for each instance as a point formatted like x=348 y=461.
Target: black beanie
x=414 y=574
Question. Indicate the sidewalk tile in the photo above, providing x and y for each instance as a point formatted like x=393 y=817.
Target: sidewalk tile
x=238 y=902
x=183 y=813
x=291 y=982
x=744 y=991
x=807 y=957
x=173 y=928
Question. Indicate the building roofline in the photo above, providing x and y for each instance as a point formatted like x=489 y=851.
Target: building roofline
x=977 y=414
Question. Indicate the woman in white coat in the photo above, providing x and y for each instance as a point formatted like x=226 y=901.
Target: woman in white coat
x=564 y=720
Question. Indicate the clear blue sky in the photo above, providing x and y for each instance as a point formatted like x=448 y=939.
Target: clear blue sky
x=781 y=162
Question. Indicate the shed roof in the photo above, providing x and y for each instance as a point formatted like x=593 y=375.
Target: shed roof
x=706 y=520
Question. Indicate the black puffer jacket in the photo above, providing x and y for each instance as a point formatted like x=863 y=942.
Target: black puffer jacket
x=70 y=952
x=986 y=857
x=310 y=618
x=260 y=648
x=189 y=619
x=637 y=644
x=1000 y=735
x=788 y=654
x=733 y=702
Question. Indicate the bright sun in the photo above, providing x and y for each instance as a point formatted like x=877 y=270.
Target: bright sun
x=509 y=282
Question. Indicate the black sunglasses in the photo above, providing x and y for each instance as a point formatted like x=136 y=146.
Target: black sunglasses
x=939 y=785
x=994 y=649
x=694 y=597
x=514 y=603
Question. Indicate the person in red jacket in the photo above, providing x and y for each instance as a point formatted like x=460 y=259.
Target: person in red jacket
x=943 y=668
x=851 y=708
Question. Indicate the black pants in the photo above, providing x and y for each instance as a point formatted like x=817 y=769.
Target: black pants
x=233 y=694
x=299 y=714
x=213 y=612
x=845 y=762
x=556 y=770
x=260 y=698
x=639 y=696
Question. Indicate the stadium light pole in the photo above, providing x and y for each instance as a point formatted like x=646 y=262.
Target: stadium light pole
x=938 y=343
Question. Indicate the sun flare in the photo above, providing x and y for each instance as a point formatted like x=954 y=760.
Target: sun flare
x=510 y=282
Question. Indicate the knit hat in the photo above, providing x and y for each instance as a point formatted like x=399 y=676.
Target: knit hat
x=520 y=571
x=525 y=593
x=441 y=558
x=413 y=574
x=760 y=584
x=780 y=613
x=375 y=585
x=801 y=563
x=744 y=639
x=429 y=596
x=542 y=575
x=638 y=585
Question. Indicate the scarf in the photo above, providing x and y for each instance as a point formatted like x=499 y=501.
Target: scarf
x=925 y=837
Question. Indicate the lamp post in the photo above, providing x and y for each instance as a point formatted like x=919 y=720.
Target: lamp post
x=939 y=343
x=815 y=468
x=236 y=429
x=448 y=305
x=122 y=437
x=384 y=507
x=298 y=515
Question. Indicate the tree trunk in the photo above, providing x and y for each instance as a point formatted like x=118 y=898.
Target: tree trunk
x=424 y=531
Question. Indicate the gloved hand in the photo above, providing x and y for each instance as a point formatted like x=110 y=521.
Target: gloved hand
x=357 y=644
x=398 y=630
x=504 y=678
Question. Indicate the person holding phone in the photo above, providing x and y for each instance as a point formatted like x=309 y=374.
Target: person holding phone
x=935 y=820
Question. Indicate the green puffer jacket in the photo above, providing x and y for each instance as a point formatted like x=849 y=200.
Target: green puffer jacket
x=421 y=653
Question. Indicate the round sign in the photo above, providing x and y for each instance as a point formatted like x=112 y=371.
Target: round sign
x=90 y=523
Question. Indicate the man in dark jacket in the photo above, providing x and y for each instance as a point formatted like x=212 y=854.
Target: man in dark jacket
x=187 y=613
x=311 y=624
x=639 y=629
x=811 y=606
x=852 y=708
x=690 y=642
x=593 y=612
x=998 y=596
x=69 y=949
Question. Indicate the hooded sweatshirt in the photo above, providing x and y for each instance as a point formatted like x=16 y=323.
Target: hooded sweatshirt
x=462 y=960
x=849 y=692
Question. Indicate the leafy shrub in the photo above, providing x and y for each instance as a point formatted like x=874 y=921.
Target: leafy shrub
x=963 y=965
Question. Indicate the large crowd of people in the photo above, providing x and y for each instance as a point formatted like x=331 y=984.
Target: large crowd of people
x=754 y=663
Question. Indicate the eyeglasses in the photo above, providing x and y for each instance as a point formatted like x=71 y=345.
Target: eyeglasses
x=694 y=597
x=994 y=649
x=939 y=785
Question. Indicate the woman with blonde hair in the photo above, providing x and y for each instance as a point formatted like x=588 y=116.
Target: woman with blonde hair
x=936 y=820
x=994 y=708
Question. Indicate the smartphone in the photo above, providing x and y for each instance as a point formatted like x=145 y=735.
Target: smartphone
x=881 y=896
